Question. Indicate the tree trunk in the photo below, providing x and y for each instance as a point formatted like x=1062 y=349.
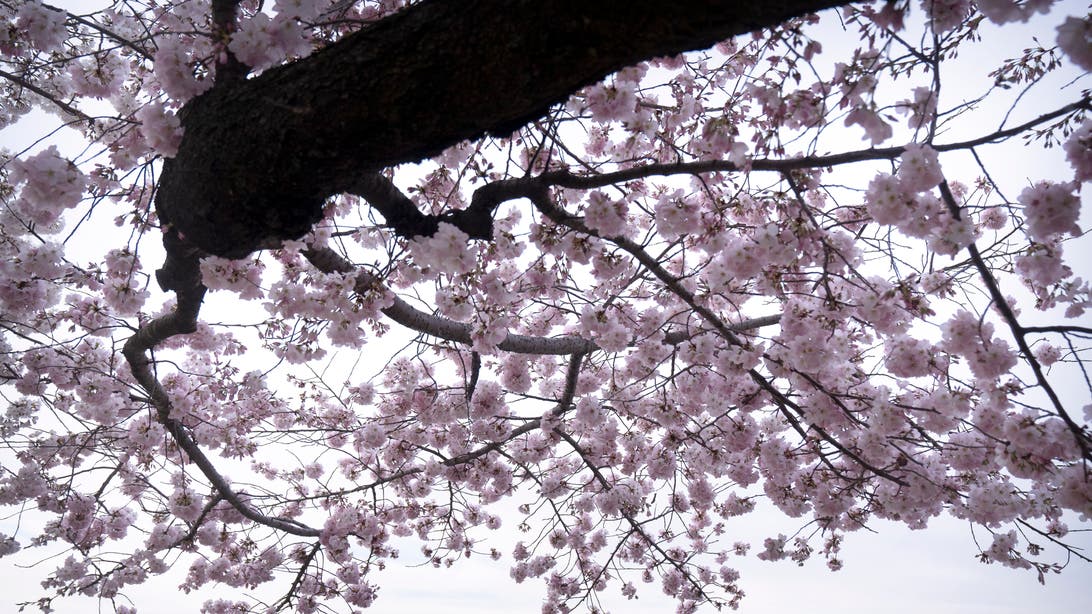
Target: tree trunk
x=259 y=156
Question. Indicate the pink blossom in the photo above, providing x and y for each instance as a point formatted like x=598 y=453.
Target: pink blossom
x=719 y=140
x=44 y=27
x=606 y=327
x=804 y=108
x=922 y=108
x=994 y=218
x=677 y=215
x=123 y=290
x=988 y=356
x=1050 y=209
x=8 y=545
x=701 y=493
x=919 y=169
x=447 y=251
x=909 y=357
x=51 y=184
x=298 y=9
x=1004 y=11
x=160 y=128
x=950 y=235
x=739 y=259
x=1078 y=150
x=261 y=42
x=876 y=129
x=97 y=76
x=1047 y=354
x=612 y=102
x=887 y=201
x=241 y=276
x=185 y=504
x=946 y=15
x=1075 y=40
x=174 y=69
x=889 y=16
x=516 y=375
x=1003 y=550
x=488 y=332
x=773 y=548
x=117 y=526
x=1042 y=266
x=605 y=216
x=42 y=260
x=78 y=518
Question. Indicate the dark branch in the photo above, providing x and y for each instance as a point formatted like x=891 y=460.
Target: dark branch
x=184 y=278
x=259 y=156
x=1001 y=304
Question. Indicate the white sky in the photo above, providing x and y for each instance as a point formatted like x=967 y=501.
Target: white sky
x=895 y=571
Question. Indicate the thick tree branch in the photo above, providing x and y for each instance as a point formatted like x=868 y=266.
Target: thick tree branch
x=228 y=67
x=260 y=155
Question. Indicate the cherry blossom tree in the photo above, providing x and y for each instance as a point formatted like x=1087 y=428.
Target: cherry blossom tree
x=291 y=284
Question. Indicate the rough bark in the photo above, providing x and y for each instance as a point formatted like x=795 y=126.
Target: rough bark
x=260 y=155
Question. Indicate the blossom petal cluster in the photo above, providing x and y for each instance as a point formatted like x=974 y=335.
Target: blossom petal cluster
x=1051 y=209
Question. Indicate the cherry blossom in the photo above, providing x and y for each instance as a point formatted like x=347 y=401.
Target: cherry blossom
x=245 y=278
x=1075 y=39
x=261 y=41
x=919 y=169
x=1078 y=151
x=1051 y=208
x=50 y=184
x=173 y=68
x=160 y=129
x=447 y=251
x=43 y=26
x=1003 y=11
x=922 y=107
x=946 y=15
x=876 y=129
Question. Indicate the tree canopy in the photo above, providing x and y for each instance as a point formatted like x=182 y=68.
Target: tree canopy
x=289 y=284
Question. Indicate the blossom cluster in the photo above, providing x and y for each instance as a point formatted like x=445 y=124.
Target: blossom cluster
x=50 y=185
x=1050 y=209
x=905 y=201
x=448 y=251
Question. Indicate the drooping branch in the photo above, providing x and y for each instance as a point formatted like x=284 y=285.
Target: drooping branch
x=260 y=155
x=405 y=219
x=629 y=515
x=185 y=279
